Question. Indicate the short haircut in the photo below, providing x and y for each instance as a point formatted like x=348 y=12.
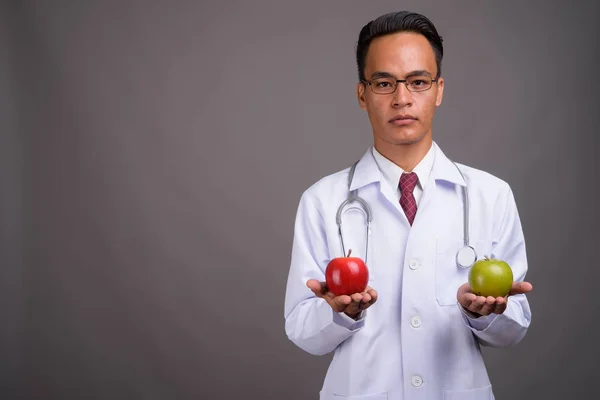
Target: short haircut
x=395 y=22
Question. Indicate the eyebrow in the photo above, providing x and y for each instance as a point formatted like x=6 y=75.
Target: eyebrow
x=383 y=74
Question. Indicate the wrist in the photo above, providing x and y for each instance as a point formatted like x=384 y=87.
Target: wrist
x=470 y=313
x=355 y=316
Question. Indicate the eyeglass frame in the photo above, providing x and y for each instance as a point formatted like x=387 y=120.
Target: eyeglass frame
x=397 y=81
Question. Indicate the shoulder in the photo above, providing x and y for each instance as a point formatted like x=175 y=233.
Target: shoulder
x=483 y=180
x=319 y=198
x=327 y=185
x=489 y=188
x=477 y=180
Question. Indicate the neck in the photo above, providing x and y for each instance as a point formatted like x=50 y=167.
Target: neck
x=406 y=156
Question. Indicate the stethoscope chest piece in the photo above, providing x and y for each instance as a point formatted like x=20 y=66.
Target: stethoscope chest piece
x=466 y=257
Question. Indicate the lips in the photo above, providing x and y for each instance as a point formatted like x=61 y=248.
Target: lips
x=403 y=120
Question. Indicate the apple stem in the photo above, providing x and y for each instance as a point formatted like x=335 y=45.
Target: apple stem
x=349 y=251
x=487 y=258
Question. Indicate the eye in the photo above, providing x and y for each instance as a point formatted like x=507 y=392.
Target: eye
x=419 y=82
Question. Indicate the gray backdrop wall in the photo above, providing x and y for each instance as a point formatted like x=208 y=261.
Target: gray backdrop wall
x=153 y=154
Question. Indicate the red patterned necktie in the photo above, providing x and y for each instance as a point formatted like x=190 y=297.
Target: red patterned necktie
x=408 y=181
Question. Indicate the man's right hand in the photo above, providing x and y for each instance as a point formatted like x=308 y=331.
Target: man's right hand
x=350 y=305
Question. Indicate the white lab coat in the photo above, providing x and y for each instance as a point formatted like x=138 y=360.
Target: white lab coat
x=415 y=342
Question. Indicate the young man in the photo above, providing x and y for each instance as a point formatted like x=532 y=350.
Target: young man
x=415 y=332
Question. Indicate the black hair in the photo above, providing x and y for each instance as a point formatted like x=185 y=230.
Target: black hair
x=402 y=21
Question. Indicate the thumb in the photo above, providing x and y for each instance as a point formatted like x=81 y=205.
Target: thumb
x=464 y=288
x=520 y=288
x=318 y=288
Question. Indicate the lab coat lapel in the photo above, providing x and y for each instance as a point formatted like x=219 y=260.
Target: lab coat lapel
x=443 y=170
x=366 y=171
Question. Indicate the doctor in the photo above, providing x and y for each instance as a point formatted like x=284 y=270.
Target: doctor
x=416 y=332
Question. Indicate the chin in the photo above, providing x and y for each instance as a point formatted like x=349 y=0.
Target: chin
x=406 y=139
x=401 y=136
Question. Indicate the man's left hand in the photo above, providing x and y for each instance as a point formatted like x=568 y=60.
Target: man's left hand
x=482 y=305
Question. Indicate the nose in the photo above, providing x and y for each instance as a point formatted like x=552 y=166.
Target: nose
x=402 y=96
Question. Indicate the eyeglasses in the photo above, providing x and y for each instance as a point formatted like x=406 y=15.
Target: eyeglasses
x=388 y=85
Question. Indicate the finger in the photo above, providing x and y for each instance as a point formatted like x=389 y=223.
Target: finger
x=477 y=304
x=469 y=297
x=520 y=288
x=466 y=299
x=374 y=295
x=500 y=306
x=464 y=288
x=340 y=303
x=366 y=297
x=363 y=305
x=356 y=298
x=357 y=303
x=318 y=288
x=488 y=306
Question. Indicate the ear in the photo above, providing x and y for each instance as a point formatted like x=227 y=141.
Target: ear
x=360 y=94
x=440 y=92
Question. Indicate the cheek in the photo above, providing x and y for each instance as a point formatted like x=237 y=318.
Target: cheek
x=377 y=112
x=428 y=109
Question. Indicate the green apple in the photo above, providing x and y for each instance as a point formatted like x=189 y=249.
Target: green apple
x=491 y=277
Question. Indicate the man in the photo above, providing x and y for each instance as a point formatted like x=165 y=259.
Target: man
x=415 y=332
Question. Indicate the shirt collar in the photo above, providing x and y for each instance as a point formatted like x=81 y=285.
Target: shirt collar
x=435 y=165
x=392 y=172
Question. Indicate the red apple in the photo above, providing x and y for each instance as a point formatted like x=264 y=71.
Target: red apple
x=346 y=275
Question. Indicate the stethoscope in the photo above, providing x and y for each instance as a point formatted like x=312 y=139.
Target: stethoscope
x=465 y=257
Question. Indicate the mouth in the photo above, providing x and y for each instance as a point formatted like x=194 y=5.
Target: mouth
x=403 y=120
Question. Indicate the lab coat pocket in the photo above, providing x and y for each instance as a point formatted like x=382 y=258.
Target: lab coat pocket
x=332 y=396
x=448 y=275
x=484 y=393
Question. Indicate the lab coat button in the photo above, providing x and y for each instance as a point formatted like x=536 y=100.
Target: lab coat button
x=413 y=264
x=415 y=322
x=416 y=381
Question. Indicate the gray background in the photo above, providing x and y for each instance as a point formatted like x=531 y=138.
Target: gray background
x=152 y=155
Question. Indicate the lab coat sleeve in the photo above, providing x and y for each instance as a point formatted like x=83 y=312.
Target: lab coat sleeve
x=509 y=328
x=310 y=322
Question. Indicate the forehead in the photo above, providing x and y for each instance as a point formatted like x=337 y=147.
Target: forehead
x=399 y=54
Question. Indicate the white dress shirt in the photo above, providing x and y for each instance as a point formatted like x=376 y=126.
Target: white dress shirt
x=391 y=172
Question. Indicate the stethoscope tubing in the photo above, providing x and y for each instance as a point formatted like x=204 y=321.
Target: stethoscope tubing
x=470 y=255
